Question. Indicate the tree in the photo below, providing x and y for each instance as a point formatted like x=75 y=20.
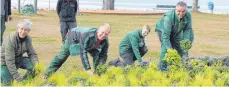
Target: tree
x=35 y=6
x=108 y=4
x=195 y=6
x=19 y=6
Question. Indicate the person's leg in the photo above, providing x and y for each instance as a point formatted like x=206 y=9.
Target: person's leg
x=176 y=45
x=6 y=77
x=143 y=51
x=3 y=27
x=162 y=64
x=63 y=30
x=58 y=60
x=27 y=64
x=116 y=62
x=128 y=58
x=71 y=25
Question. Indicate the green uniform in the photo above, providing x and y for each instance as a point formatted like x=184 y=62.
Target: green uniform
x=131 y=48
x=171 y=31
x=80 y=41
x=132 y=43
x=12 y=57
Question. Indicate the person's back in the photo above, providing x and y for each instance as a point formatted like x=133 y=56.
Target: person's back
x=127 y=42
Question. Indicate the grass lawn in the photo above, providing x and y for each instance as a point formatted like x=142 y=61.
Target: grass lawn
x=211 y=35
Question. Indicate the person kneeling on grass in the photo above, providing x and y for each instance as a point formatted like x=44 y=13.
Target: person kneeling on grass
x=132 y=48
x=13 y=48
x=80 y=41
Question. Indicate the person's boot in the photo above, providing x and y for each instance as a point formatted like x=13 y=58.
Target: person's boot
x=113 y=62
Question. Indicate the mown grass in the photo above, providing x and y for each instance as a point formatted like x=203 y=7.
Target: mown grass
x=211 y=35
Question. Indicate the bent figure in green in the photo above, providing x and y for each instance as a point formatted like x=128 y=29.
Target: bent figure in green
x=132 y=48
x=175 y=25
x=80 y=41
x=13 y=48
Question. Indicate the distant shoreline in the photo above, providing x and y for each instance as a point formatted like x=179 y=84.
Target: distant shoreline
x=124 y=11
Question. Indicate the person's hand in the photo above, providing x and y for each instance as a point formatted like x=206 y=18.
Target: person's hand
x=19 y=79
x=10 y=18
x=89 y=72
x=142 y=63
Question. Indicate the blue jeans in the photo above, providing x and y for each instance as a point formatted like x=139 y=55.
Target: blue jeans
x=65 y=27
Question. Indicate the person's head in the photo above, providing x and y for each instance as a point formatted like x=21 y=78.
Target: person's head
x=103 y=31
x=24 y=27
x=145 y=30
x=181 y=9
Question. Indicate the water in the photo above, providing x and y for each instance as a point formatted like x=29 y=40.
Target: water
x=221 y=6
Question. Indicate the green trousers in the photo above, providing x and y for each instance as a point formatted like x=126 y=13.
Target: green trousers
x=59 y=59
x=24 y=63
x=175 y=45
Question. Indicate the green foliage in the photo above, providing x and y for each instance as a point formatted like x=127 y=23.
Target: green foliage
x=185 y=45
x=173 y=59
x=199 y=75
x=28 y=9
x=101 y=69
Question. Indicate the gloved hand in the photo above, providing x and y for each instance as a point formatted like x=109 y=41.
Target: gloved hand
x=19 y=79
x=142 y=63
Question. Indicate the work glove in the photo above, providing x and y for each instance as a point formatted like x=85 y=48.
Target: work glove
x=142 y=63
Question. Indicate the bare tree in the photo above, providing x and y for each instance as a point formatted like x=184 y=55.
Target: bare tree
x=35 y=6
x=195 y=6
x=108 y=4
x=19 y=6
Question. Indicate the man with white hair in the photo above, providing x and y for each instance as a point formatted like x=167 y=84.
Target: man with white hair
x=13 y=48
x=132 y=47
x=80 y=41
x=173 y=27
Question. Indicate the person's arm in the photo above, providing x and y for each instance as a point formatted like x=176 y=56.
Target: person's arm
x=76 y=6
x=10 y=59
x=9 y=11
x=31 y=52
x=166 y=33
x=135 y=47
x=58 y=6
x=83 y=52
x=188 y=32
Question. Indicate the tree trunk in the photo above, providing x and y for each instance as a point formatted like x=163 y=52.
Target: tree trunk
x=19 y=6
x=108 y=4
x=35 y=6
x=195 y=6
